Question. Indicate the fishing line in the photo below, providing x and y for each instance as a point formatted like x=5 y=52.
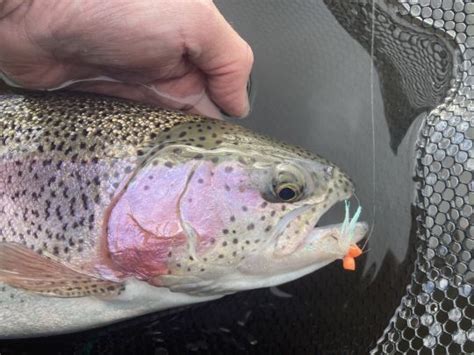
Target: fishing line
x=372 y=115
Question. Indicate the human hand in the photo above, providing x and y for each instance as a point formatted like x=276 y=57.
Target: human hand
x=179 y=54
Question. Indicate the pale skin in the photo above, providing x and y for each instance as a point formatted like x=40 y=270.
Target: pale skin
x=179 y=54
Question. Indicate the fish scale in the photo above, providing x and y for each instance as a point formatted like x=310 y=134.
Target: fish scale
x=60 y=169
x=113 y=209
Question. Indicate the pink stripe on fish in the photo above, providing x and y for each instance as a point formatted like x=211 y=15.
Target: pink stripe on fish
x=144 y=226
x=216 y=197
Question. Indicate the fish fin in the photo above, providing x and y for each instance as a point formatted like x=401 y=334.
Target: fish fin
x=23 y=268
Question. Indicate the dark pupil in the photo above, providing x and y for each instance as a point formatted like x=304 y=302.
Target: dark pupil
x=286 y=194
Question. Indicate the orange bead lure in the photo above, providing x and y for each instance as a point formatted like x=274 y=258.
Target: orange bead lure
x=348 y=262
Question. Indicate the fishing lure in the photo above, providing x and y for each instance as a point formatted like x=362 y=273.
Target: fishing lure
x=348 y=227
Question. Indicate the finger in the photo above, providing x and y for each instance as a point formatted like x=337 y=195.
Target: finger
x=206 y=107
x=226 y=59
x=189 y=91
x=185 y=94
x=134 y=92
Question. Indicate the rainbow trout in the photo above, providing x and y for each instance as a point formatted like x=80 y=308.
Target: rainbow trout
x=111 y=209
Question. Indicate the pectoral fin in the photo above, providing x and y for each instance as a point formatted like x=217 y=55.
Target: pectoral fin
x=22 y=268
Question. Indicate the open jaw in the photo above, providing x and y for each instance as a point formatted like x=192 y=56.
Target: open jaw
x=337 y=241
x=319 y=247
x=333 y=240
x=344 y=235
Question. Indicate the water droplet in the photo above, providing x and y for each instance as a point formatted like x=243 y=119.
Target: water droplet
x=423 y=298
x=459 y=336
x=465 y=290
x=426 y=319
x=443 y=284
x=470 y=334
x=455 y=314
x=428 y=287
x=436 y=329
x=429 y=341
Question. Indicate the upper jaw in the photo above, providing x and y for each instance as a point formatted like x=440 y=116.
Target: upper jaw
x=335 y=238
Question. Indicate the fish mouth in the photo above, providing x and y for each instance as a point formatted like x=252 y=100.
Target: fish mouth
x=343 y=235
x=324 y=244
x=334 y=239
x=347 y=233
x=319 y=247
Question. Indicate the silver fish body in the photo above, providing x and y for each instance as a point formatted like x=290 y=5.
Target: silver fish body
x=111 y=209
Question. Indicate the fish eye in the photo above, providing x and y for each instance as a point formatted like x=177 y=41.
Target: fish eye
x=287 y=192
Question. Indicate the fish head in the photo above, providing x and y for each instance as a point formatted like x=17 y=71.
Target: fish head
x=242 y=209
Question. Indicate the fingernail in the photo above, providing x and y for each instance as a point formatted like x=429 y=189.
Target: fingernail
x=250 y=99
x=251 y=91
x=249 y=88
x=225 y=114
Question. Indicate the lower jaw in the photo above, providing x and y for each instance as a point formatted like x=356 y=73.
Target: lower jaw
x=324 y=245
x=353 y=237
